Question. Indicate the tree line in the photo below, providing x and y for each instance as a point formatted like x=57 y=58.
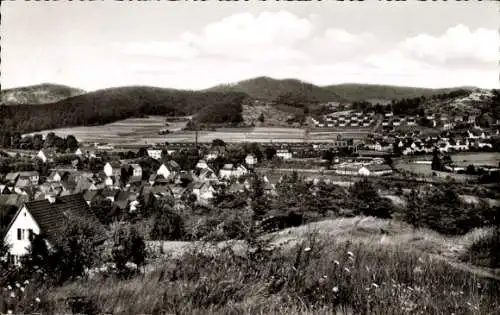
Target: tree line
x=110 y=105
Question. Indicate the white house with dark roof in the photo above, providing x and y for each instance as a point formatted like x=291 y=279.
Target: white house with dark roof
x=112 y=169
x=47 y=217
x=164 y=170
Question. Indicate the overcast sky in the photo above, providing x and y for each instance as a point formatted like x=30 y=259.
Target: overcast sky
x=194 y=45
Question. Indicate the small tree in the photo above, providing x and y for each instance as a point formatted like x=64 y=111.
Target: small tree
x=218 y=143
x=436 y=161
x=261 y=117
x=270 y=153
x=168 y=225
x=128 y=246
x=73 y=251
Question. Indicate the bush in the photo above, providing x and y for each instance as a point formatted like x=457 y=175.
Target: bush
x=168 y=225
x=128 y=246
x=73 y=252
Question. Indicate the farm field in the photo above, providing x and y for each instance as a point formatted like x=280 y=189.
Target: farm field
x=144 y=131
x=126 y=131
x=464 y=158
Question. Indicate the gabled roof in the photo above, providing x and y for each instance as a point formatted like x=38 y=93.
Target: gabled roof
x=23 y=183
x=228 y=166
x=28 y=174
x=174 y=165
x=51 y=217
x=89 y=195
x=11 y=177
x=115 y=164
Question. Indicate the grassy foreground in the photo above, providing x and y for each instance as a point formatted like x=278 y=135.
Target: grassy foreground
x=316 y=276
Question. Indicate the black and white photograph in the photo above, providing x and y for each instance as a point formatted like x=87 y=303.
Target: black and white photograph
x=213 y=157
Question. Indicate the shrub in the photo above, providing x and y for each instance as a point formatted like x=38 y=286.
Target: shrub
x=128 y=246
x=168 y=225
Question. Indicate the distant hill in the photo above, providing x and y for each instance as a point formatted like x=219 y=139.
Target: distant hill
x=109 y=105
x=38 y=94
x=266 y=88
x=361 y=92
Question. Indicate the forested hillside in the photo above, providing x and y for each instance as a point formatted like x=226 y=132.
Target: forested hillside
x=38 y=94
x=361 y=92
x=114 y=104
x=270 y=89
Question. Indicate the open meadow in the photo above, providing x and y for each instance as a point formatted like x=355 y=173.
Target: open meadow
x=144 y=131
x=359 y=265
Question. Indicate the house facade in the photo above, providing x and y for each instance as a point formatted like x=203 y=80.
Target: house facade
x=46 y=216
x=112 y=169
x=250 y=160
x=155 y=153
x=164 y=171
x=284 y=154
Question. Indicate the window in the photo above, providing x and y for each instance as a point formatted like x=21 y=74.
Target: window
x=19 y=234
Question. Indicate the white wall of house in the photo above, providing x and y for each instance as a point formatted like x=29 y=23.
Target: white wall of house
x=24 y=221
x=225 y=173
x=364 y=171
x=137 y=172
x=108 y=169
x=201 y=164
x=285 y=155
x=163 y=170
x=250 y=160
x=42 y=156
x=108 y=181
x=155 y=154
x=206 y=192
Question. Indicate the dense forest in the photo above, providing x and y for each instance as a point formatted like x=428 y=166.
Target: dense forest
x=270 y=89
x=110 y=105
x=363 y=92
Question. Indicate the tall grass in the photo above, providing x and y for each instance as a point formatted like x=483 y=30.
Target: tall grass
x=317 y=276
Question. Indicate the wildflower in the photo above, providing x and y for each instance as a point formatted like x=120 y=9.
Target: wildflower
x=335 y=289
x=350 y=254
x=375 y=285
x=9 y=311
x=26 y=282
x=37 y=300
x=22 y=289
x=9 y=287
x=325 y=276
x=12 y=295
x=417 y=269
x=17 y=284
x=307 y=249
x=336 y=262
x=367 y=268
x=347 y=270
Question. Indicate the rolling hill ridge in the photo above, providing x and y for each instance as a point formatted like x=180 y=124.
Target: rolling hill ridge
x=38 y=94
x=269 y=89
x=362 y=92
